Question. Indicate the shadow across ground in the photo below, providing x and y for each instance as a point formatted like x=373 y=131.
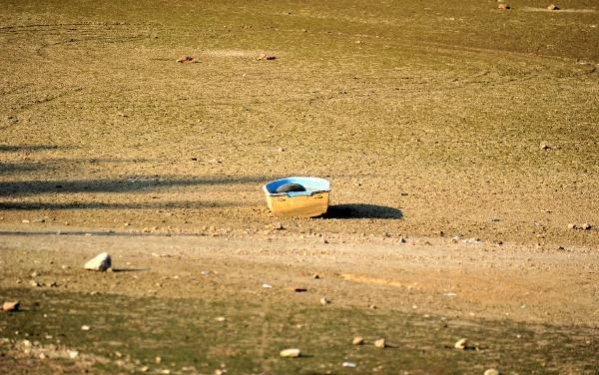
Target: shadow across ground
x=362 y=211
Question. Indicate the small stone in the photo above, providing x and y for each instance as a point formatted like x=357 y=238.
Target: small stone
x=325 y=301
x=380 y=343
x=221 y=319
x=586 y=226
x=491 y=371
x=461 y=344
x=85 y=328
x=144 y=369
x=186 y=59
x=349 y=364
x=572 y=226
x=157 y=360
x=290 y=353
x=34 y=283
x=503 y=6
x=73 y=354
x=552 y=7
x=11 y=306
x=101 y=262
x=316 y=276
x=264 y=56
x=358 y=340
x=544 y=146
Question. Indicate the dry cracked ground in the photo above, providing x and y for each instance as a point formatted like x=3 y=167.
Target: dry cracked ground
x=461 y=141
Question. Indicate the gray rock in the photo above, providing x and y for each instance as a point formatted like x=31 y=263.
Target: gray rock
x=101 y=262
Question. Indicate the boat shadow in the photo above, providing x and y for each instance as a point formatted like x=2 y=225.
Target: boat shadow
x=362 y=211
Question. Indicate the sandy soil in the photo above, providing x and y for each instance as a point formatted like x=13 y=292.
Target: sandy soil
x=461 y=143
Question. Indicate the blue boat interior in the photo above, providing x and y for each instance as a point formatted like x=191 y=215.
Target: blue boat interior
x=312 y=185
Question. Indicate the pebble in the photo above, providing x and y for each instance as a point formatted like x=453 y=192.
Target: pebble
x=100 y=262
x=11 y=306
x=461 y=344
x=552 y=7
x=325 y=301
x=491 y=371
x=349 y=364
x=290 y=353
x=544 y=146
x=264 y=56
x=221 y=319
x=358 y=340
x=85 y=328
x=186 y=60
x=73 y=354
x=503 y=6
x=34 y=283
x=380 y=343
x=144 y=369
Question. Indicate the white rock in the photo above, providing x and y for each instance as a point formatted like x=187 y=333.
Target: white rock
x=380 y=343
x=461 y=344
x=349 y=364
x=290 y=353
x=357 y=340
x=73 y=354
x=101 y=262
x=491 y=371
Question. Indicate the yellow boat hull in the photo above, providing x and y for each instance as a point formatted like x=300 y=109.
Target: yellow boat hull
x=300 y=206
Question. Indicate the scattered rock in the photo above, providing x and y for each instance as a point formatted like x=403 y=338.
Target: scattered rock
x=325 y=301
x=101 y=262
x=186 y=60
x=491 y=371
x=85 y=328
x=34 y=283
x=221 y=319
x=503 y=6
x=358 y=340
x=11 y=306
x=380 y=343
x=552 y=7
x=73 y=354
x=290 y=353
x=349 y=364
x=278 y=226
x=461 y=344
x=586 y=226
x=544 y=146
x=572 y=226
x=316 y=276
x=264 y=56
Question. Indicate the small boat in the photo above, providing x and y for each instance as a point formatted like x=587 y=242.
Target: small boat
x=298 y=196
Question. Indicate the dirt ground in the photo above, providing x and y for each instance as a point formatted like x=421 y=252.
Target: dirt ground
x=461 y=142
